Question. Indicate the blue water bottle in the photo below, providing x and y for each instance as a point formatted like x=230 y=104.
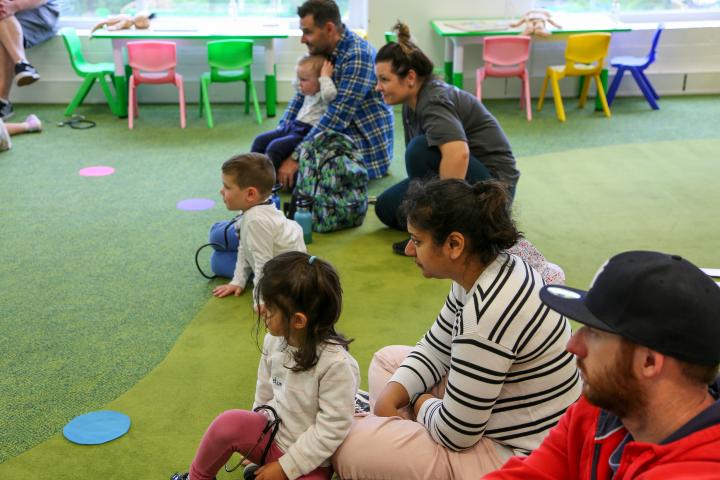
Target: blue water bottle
x=303 y=216
x=275 y=197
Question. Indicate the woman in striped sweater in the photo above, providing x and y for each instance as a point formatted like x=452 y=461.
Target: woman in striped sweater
x=491 y=376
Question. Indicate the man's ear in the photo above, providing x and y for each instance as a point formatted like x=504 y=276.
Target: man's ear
x=455 y=245
x=298 y=321
x=650 y=362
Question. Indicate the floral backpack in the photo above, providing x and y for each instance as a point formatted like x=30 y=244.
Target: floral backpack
x=333 y=177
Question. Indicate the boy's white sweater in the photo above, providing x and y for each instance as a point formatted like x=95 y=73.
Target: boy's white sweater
x=316 y=406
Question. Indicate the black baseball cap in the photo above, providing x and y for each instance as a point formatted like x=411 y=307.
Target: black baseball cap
x=654 y=299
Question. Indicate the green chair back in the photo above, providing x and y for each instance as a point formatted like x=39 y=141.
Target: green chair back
x=74 y=48
x=390 y=37
x=103 y=73
x=230 y=60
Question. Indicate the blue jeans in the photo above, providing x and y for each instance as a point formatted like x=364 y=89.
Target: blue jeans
x=278 y=144
x=421 y=162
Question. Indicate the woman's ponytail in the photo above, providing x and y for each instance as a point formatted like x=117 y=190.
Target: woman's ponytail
x=404 y=55
x=403 y=37
x=481 y=212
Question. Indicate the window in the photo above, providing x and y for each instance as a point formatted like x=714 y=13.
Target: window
x=628 y=5
x=217 y=8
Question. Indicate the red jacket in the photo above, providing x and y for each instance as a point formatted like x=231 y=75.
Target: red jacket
x=579 y=446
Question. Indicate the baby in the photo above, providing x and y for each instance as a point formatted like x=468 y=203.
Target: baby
x=314 y=81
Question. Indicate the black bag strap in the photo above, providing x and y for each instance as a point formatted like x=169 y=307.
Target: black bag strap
x=197 y=261
x=272 y=426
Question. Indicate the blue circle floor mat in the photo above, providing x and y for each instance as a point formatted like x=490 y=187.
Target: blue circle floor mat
x=98 y=427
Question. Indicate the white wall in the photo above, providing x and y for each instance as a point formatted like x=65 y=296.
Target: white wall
x=688 y=59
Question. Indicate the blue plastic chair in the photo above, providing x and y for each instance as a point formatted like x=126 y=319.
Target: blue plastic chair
x=637 y=66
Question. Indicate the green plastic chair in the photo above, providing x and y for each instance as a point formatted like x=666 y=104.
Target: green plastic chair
x=230 y=61
x=103 y=72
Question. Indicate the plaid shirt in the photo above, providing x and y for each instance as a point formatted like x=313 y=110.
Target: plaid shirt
x=358 y=110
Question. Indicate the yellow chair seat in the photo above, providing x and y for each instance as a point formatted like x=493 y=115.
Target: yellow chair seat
x=584 y=57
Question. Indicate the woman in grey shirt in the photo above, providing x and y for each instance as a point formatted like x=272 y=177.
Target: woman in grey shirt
x=448 y=132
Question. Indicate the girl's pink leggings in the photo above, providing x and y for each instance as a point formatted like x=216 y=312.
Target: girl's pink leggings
x=239 y=431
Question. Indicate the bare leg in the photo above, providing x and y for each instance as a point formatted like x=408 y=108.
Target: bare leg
x=11 y=38
x=7 y=73
x=15 y=128
x=12 y=51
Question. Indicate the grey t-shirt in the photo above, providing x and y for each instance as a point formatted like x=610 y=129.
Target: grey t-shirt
x=444 y=113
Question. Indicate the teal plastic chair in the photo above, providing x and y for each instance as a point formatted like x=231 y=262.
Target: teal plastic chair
x=103 y=73
x=230 y=61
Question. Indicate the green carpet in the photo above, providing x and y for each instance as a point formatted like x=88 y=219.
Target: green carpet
x=98 y=283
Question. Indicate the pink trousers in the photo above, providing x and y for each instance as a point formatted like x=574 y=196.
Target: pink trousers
x=238 y=431
x=397 y=447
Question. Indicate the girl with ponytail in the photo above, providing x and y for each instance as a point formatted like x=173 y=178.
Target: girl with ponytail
x=307 y=380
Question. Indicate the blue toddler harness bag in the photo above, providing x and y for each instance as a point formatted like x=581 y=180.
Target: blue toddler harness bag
x=224 y=241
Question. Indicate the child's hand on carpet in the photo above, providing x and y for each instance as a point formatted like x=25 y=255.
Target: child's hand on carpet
x=225 y=290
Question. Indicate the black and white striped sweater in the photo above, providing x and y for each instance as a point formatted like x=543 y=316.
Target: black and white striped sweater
x=503 y=351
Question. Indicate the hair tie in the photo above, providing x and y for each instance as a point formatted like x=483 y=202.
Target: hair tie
x=311 y=259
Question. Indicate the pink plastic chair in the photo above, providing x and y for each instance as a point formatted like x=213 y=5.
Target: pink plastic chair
x=153 y=62
x=505 y=56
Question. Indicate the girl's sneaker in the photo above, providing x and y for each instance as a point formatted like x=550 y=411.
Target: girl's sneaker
x=33 y=123
x=5 y=142
x=362 y=403
x=249 y=472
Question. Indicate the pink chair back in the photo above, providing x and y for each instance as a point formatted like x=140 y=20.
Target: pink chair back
x=153 y=62
x=154 y=57
x=505 y=55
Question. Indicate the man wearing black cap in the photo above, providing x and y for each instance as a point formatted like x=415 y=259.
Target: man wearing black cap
x=648 y=352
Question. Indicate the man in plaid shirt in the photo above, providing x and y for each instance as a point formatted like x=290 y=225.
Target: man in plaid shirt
x=358 y=110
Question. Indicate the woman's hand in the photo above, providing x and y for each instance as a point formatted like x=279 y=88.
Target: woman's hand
x=271 y=471
x=286 y=173
x=393 y=397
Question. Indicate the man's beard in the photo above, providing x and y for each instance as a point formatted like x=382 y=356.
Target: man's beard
x=615 y=388
x=319 y=50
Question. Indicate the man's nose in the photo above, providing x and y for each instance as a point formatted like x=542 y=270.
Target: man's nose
x=576 y=344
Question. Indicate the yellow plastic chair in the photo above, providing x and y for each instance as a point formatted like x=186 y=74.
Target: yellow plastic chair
x=584 y=57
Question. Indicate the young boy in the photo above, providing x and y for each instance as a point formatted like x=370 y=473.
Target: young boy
x=262 y=229
x=314 y=80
